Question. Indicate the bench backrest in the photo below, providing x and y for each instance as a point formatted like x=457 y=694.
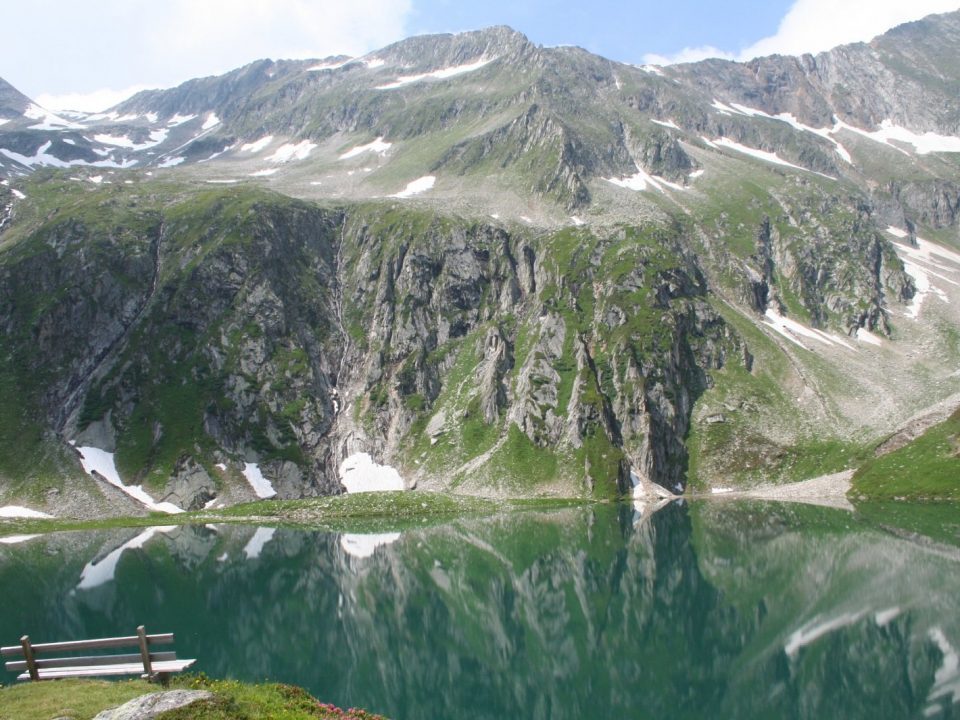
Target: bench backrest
x=141 y=641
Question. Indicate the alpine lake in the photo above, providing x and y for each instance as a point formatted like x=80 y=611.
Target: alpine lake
x=697 y=609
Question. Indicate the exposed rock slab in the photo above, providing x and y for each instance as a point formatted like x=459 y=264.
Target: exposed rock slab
x=147 y=707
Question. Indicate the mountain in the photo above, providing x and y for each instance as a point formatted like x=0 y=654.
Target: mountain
x=13 y=103
x=501 y=268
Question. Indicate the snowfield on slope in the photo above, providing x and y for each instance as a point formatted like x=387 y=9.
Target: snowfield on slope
x=359 y=473
x=927 y=264
x=441 y=74
x=95 y=460
x=642 y=180
x=415 y=187
x=262 y=487
x=379 y=146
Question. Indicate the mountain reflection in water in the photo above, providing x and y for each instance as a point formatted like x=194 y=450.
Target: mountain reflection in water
x=721 y=610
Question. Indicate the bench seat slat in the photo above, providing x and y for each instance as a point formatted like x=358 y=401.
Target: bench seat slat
x=169 y=666
x=66 y=662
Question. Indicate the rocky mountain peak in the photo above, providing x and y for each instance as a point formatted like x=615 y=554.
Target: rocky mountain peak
x=451 y=50
x=13 y=103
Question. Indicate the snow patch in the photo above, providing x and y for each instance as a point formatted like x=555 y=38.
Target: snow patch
x=415 y=187
x=17 y=194
x=641 y=180
x=362 y=546
x=172 y=162
x=211 y=121
x=255 y=544
x=651 y=69
x=373 y=63
x=696 y=173
x=762 y=155
x=720 y=490
x=793 y=331
x=864 y=335
x=95 y=460
x=926 y=263
x=179 y=119
x=288 y=152
x=261 y=486
x=221 y=182
x=791 y=120
x=263 y=173
x=441 y=74
x=43 y=158
x=18 y=511
x=666 y=123
x=48 y=120
x=156 y=137
x=95 y=574
x=378 y=146
x=329 y=66
x=923 y=144
x=359 y=473
x=576 y=221
x=15 y=539
x=257 y=145
x=722 y=108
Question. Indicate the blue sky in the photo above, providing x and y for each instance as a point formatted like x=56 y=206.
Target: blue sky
x=90 y=55
x=625 y=31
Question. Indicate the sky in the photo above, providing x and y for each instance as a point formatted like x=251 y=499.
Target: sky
x=89 y=56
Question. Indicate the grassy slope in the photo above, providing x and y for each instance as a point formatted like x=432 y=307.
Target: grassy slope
x=83 y=699
x=927 y=468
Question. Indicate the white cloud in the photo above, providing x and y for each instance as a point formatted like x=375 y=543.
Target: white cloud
x=162 y=44
x=811 y=26
x=214 y=36
x=94 y=101
x=688 y=55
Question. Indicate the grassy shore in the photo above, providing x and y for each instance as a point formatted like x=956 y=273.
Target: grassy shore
x=83 y=699
x=927 y=468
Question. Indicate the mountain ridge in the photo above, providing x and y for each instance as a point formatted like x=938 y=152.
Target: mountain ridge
x=501 y=268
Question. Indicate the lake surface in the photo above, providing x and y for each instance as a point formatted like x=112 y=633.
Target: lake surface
x=705 y=610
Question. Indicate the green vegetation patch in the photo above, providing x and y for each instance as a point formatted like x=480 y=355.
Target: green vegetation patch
x=232 y=700
x=79 y=699
x=926 y=468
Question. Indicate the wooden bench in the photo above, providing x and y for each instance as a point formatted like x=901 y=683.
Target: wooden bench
x=147 y=663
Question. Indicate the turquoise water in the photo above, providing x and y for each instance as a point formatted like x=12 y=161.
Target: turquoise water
x=711 y=610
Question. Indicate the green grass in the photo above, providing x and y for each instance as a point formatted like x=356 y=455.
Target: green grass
x=232 y=700
x=927 y=468
x=78 y=699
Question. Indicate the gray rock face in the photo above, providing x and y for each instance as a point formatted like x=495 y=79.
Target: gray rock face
x=148 y=707
x=190 y=487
